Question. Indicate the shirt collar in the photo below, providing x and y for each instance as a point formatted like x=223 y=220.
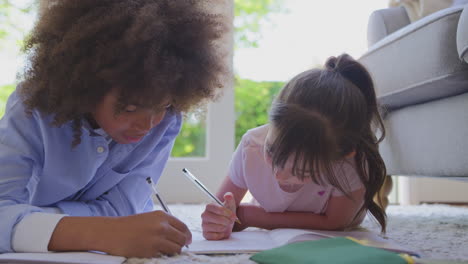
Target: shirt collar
x=95 y=131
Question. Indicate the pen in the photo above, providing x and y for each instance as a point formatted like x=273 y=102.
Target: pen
x=204 y=189
x=156 y=194
x=160 y=200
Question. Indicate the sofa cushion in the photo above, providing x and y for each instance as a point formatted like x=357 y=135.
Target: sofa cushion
x=428 y=139
x=462 y=35
x=459 y=2
x=419 y=62
x=384 y=22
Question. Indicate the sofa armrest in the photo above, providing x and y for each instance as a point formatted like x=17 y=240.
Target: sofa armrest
x=462 y=35
x=418 y=63
x=383 y=22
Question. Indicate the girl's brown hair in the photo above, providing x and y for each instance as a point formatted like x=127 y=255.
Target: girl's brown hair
x=149 y=50
x=322 y=115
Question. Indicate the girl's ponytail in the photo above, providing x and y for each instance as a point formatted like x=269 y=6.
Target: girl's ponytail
x=354 y=72
x=357 y=74
x=371 y=166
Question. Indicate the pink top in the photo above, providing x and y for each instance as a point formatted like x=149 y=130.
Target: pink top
x=248 y=170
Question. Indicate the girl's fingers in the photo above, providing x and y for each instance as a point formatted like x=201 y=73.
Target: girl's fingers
x=218 y=210
x=212 y=227
x=230 y=204
x=229 y=201
x=217 y=221
x=211 y=218
x=213 y=235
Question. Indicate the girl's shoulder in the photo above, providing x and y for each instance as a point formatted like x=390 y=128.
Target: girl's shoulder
x=255 y=137
x=346 y=175
x=346 y=166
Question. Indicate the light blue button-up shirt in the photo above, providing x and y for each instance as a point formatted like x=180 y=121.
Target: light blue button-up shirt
x=39 y=168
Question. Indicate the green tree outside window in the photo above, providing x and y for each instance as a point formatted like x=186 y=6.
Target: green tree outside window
x=252 y=99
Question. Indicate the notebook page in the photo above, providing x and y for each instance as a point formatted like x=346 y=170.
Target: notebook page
x=239 y=242
x=284 y=236
x=61 y=257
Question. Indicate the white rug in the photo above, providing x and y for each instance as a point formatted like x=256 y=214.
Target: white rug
x=435 y=231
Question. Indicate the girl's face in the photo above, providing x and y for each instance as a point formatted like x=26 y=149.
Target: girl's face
x=130 y=125
x=284 y=176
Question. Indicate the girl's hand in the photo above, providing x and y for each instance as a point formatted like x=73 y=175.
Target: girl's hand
x=218 y=221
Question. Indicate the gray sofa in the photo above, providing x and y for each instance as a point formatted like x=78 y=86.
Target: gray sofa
x=420 y=72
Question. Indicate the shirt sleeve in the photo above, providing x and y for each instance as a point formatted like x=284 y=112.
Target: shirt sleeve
x=347 y=176
x=236 y=166
x=19 y=154
x=132 y=194
x=33 y=232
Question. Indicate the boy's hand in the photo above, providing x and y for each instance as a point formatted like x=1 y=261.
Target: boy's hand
x=149 y=235
x=144 y=235
x=218 y=221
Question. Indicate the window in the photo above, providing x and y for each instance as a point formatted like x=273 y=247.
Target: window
x=210 y=165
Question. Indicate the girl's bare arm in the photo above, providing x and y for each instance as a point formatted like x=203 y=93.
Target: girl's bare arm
x=339 y=215
x=228 y=186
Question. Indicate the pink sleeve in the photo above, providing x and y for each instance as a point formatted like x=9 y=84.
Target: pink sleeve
x=348 y=176
x=236 y=167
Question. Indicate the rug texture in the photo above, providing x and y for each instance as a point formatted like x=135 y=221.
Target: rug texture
x=435 y=231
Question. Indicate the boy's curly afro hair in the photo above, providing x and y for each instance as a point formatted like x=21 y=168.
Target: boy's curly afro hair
x=149 y=50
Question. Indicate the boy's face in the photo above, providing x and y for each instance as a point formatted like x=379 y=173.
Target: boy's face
x=129 y=125
x=284 y=176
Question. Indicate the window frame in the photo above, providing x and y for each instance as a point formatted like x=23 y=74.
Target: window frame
x=220 y=137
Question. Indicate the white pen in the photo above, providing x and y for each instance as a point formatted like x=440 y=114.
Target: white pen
x=156 y=194
x=160 y=200
x=205 y=190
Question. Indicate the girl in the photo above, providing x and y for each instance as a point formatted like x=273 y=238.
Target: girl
x=97 y=112
x=315 y=165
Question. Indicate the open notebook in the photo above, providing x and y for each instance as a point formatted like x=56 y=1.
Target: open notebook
x=247 y=241
x=252 y=241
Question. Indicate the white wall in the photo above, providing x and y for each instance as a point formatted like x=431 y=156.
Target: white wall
x=415 y=190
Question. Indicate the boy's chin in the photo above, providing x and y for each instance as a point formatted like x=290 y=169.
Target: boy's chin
x=131 y=140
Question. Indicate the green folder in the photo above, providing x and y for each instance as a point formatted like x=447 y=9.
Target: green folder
x=338 y=250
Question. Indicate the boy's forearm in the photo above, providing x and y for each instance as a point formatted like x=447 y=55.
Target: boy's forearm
x=80 y=234
x=255 y=216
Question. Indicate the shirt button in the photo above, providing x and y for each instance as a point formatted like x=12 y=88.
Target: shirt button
x=100 y=149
